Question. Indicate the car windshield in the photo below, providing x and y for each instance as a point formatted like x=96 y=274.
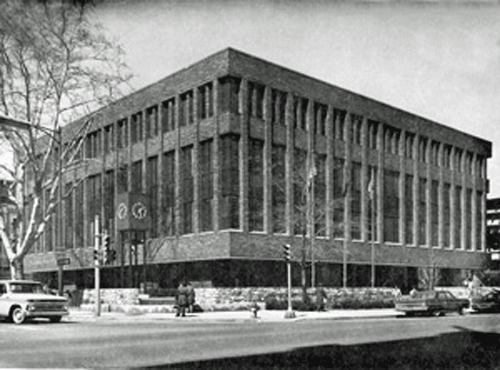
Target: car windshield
x=26 y=288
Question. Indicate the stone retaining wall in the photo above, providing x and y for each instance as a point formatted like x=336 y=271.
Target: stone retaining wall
x=236 y=298
x=112 y=296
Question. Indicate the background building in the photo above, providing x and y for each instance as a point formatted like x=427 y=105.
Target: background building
x=493 y=238
x=230 y=153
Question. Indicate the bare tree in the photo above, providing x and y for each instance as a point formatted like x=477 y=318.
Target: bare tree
x=56 y=65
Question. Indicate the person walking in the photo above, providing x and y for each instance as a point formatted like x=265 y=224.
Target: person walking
x=190 y=297
x=181 y=300
x=320 y=298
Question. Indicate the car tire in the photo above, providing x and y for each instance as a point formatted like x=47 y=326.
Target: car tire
x=55 y=319
x=17 y=315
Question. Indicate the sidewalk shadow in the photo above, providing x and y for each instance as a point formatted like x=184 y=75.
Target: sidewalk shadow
x=465 y=349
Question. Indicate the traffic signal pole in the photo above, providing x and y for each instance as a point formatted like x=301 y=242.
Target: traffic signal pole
x=97 y=264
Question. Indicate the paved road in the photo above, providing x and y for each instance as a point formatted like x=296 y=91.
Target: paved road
x=157 y=343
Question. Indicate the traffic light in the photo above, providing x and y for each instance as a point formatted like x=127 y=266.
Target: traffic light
x=286 y=252
x=106 y=248
x=112 y=255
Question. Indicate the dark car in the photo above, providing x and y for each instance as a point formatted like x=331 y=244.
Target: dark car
x=431 y=302
x=489 y=302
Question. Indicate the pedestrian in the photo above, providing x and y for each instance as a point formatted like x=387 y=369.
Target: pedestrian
x=190 y=297
x=181 y=300
x=320 y=298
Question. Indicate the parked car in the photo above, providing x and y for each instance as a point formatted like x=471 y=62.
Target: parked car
x=489 y=302
x=23 y=299
x=431 y=302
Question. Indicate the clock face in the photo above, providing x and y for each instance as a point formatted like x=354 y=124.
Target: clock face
x=122 y=211
x=139 y=210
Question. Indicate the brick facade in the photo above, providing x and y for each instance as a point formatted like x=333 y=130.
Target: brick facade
x=229 y=148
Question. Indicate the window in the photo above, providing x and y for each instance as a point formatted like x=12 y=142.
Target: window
x=168 y=115
x=458 y=160
x=447 y=156
x=422 y=150
x=229 y=94
x=468 y=219
x=339 y=190
x=320 y=111
x=434 y=221
x=356 y=195
x=391 y=139
x=137 y=128
x=206 y=185
x=300 y=113
x=186 y=109
x=230 y=186
x=136 y=179
x=187 y=189
x=152 y=192
x=122 y=139
x=278 y=189
x=109 y=139
x=356 y=126
x=299 y=182
x=93 y=144
x=79 y=215
x=122 y=179
x=256 y=100
x=446 y=214
x=278 y=105
x=434 y=153
x=205 y=101
x=94 y=194
x=458 y=217
x=320 y=195
x=338 y=119
x=479 y=221
x=391 y=202
x=152 y=122
x=409 y=207
x=256 y=186
x=109 y=200
x=422 y=213
x=409 y=144
x=168 y=204
x=68 y=216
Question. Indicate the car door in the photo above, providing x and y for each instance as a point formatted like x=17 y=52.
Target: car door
x=443 y=300
x=3 y=300
x=451 y=302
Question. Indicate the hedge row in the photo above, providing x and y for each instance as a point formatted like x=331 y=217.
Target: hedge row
x=274 y=302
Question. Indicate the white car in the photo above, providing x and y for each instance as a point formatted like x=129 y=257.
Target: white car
x=24 y=299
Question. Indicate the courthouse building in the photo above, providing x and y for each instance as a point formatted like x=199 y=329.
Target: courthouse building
x=231 y=151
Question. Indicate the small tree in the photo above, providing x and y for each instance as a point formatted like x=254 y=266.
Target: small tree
x=55 y=66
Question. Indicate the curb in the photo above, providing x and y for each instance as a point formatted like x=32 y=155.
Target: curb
x=269 y=316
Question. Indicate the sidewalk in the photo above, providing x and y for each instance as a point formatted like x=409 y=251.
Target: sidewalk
x=233 y=316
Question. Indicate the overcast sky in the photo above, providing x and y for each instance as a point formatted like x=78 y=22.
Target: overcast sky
x=440 y=61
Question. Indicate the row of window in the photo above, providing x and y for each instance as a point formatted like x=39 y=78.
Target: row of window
x=455 y=212
x=146 y=124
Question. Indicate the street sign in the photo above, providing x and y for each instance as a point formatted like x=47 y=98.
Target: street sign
x=63 y=261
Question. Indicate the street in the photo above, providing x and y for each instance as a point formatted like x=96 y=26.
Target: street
x=470 y=341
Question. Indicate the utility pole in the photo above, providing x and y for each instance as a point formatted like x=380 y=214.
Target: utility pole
x=289 y=314
x=97 y=264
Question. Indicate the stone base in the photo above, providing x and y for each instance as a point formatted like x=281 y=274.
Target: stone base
x=290 y=315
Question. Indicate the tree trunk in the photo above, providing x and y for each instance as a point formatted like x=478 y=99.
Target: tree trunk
x=17 y=269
